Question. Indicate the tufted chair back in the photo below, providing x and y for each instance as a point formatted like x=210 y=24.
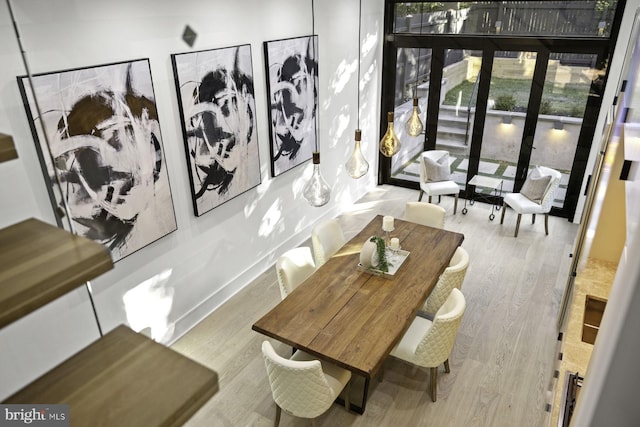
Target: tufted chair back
x=327 y=238
x=425 y=213
x=452 y=277
x=437 y=342
x=293 y=267
x=301 y=386
x=547 y=199
x=428 y=344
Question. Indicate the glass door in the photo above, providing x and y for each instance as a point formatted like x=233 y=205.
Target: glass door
x=459 y=57
x=535 y=112
x=457 y=108
x=412 y=80
x=568 y=82
x=504 y=125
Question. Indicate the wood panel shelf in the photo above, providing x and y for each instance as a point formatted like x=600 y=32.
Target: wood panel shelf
x=7 y=148
x=593 y=311
x=40 y=262
x=124 y=379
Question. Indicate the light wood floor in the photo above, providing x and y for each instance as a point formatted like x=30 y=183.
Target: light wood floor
x=503 y=360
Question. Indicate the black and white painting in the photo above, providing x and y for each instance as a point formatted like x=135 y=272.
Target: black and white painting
x=102 y=157
x=217 y=107
x=292 y=73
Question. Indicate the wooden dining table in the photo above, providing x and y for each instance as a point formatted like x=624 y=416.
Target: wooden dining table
x=354 y=318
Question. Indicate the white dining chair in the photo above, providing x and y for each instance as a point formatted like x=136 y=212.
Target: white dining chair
x=326 y=238
x=435 y=176
x=303 y=386
x=425 y=213
x=428 y=344
x=452 y=277
x=293 y=267
x=535 y=197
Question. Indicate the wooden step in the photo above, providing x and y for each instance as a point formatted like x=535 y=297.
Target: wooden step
x=124 y=379
x=40 y=262
x=7 y=148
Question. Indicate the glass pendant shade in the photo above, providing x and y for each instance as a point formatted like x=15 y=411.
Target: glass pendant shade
x=414 y=125
x=316 y=191
x=389 y=144
x=357 y=165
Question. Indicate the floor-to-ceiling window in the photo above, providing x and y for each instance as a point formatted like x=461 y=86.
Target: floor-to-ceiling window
x=503 y=86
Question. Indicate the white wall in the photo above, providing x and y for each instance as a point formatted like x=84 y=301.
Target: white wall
x=610 y=92
x=609 y=394
x=193 y=270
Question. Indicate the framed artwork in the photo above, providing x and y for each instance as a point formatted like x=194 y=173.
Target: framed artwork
x=292 y=81
x=218 y=115
x=102 y=157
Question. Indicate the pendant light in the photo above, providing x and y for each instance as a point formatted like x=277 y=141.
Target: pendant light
x=389 y=144
x=357 y=165
x=414 y=125
x=316 y=191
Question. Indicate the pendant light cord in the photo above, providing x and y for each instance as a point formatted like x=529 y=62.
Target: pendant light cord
x=415 y=89
x=313 y=74
x=359 y=55
x=47 y=143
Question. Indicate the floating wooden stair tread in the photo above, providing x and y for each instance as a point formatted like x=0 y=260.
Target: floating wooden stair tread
x=124 y=379
x=40 y=262
x=7 y=148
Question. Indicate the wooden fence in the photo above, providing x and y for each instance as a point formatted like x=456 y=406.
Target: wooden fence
x=531 y=18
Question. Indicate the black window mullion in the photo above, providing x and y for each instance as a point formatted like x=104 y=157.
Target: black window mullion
x=486 y=69
x=583 y=149
x=567 y=45
x=531 y=119
x=433 y=104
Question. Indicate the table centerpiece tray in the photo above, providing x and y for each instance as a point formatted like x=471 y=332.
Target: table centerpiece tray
x=394 y=261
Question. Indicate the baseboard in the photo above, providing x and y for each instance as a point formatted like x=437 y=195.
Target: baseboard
x=194 y=316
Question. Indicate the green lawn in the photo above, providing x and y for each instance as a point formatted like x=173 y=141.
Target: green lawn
x=569 y=100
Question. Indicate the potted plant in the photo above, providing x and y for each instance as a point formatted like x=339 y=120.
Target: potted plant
x=374 y=255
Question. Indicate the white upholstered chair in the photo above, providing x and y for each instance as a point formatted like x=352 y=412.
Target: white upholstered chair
x=524 y=205
x=452 y=277
x=293 y=267
x=428 y=344
x=326 y=238
x=425 y=214
x=303 y=386
x=437 y=184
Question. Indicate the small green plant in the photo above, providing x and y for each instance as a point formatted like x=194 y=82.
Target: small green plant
x=545 y=107
x=383 y=264
x=505 y=103
x=577 y=111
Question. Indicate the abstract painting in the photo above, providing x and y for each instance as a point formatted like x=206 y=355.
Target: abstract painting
x=102 y=156
x=218 y=115
x=292 y=74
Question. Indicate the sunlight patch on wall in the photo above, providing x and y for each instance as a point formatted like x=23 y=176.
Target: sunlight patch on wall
x=272 y=220
x=148 y=305
x=369 y=44
x=261 y=190
x=343 y=74
x=339 y=125
x=301 y=180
